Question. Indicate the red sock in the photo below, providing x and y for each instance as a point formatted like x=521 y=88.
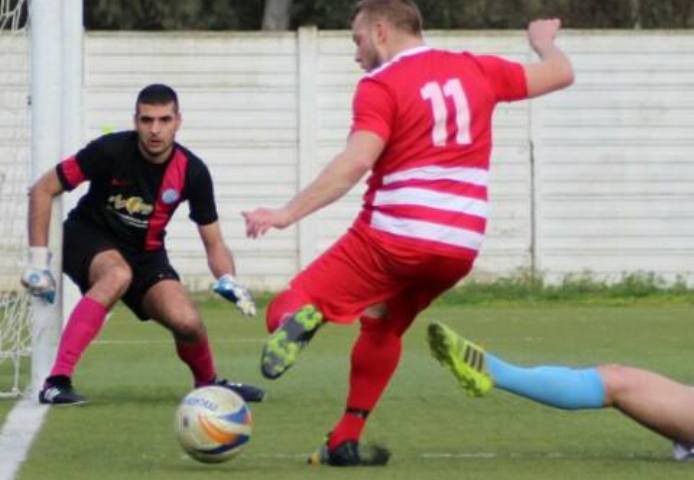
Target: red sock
x=375 y=356
x=84 y=324
x=285 y=303
x=198 y=357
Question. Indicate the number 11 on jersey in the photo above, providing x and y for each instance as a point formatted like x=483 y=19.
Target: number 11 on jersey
x=436 y=95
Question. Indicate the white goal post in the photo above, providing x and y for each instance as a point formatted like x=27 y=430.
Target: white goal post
x=56 y=128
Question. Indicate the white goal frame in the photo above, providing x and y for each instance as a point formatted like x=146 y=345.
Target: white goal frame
x=56 y=99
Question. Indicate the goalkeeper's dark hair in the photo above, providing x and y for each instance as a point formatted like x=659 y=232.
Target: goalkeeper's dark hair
x=403 y=14
x=157 y=94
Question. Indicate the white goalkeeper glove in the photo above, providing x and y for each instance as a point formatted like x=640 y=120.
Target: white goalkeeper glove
x=37 y=278
x=229 y=288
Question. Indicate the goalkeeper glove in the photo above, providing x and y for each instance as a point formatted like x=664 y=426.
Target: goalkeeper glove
x=227 y=287
x=37 y=278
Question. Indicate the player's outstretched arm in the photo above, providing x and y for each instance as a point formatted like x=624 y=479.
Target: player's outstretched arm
x=221 y=263
x=41 y=196
x=335 y=180
x=37 y=277
x=554 y=70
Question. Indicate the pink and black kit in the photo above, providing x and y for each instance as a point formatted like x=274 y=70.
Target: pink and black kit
x=127 y=207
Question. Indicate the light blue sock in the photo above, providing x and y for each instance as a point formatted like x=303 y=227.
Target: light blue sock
x=560 y=387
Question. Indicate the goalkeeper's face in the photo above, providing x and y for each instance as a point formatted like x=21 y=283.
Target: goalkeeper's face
x=156 y=126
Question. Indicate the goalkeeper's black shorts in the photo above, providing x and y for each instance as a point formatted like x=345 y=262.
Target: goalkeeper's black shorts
x=82 y=242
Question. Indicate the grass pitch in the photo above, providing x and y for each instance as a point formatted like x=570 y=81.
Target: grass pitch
x=134 y=381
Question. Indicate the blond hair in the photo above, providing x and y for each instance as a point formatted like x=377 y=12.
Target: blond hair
x=403 y=14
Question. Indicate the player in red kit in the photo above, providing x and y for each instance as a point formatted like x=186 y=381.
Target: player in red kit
x=422 y=126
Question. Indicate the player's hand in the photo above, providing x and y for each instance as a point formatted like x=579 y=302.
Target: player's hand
x=261 y=220
x=37 y=277
x=229 y=288
x=542 y=32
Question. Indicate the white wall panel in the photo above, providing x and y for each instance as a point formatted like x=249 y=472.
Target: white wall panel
x=597 y=178
x=609 y=159
x=614 y=158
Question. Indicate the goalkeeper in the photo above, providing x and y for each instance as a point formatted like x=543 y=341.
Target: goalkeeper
x=113 y=241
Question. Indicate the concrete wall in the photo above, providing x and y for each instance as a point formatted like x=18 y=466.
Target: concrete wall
x=595 y=178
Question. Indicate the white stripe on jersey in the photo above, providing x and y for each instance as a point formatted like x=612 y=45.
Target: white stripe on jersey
x=419 y=229
x=432 y=199
x=406 y=53
x=475 y=176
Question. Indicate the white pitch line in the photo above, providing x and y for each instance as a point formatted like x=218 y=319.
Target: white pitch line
x=17 y=434
x=463 y=455
x=459 y=455
x=430 y=455
x=518 y=455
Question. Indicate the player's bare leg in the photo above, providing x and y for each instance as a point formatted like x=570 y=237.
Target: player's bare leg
x=169 y=304
x=655 y=401
x=110 y=277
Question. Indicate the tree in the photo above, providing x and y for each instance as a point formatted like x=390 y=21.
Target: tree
x=277 y=14
x=172 y=14
x=335 y=14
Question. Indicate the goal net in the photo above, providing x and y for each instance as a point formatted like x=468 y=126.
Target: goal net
x=15 y=338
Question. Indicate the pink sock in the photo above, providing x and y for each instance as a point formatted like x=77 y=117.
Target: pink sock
x=84 y=324
x=198 y=357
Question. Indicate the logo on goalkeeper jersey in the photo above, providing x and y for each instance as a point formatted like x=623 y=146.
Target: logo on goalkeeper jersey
x=170 y=196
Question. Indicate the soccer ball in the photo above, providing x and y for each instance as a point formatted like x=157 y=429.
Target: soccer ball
x=213 y=424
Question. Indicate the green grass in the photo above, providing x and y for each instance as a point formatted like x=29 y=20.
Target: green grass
x=640 y=287
x=5 y=406
x=6 y=380
x=134 y=382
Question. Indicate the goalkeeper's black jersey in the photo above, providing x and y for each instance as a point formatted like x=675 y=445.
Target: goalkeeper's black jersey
x=132 y=199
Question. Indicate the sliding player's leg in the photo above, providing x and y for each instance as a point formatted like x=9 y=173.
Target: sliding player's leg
x=478 y=371
x=464 y=359
x=653 y=400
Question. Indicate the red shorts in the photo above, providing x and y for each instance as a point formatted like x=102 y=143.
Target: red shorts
x=358 y=272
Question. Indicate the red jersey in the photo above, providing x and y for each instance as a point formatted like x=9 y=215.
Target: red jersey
x=433 y=109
